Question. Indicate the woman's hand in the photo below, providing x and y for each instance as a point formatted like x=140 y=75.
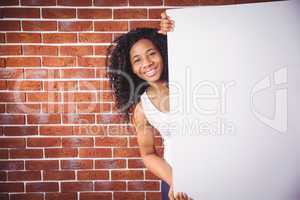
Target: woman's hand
x=178 y=195
x=166 y=24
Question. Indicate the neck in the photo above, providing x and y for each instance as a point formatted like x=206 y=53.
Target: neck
x=159 y=87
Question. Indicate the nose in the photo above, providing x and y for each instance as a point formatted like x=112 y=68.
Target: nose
x=147 y=61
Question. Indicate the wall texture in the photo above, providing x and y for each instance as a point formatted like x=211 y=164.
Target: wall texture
x=60 y=135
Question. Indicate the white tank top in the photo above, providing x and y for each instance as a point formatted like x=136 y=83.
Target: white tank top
x=160 y=121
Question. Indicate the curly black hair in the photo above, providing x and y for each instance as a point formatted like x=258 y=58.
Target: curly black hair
x=127 y=86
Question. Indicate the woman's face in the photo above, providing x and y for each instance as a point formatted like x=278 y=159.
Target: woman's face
x=146 y=61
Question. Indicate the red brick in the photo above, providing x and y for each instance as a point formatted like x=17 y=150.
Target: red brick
x=44 y=142
x=153 y=196
x=90 y=130
x=11 y=165
x=110 y=185
x=111 y=3
x=135 y=163
x=60 y=85
x=126 y=152
x=75 y=26
x=23 y=37
x=20 y=130
x=24 y=85
x=145 y=2
x=76 y=50
x=129 y=195
x=150 y=176
x=88 y=107
x=76 y=186
x=44 y=119
x=76 y=164
x=38 y=3
x=4 y=196
x=42 y=74
x=12 y=97
x=12 y=187
x=155 y=13
x=101 y=73
x=143 y=185
x=78 y=73
x=27 y=196
x=2 y=38
x=96 y=195
x=3 y=86
x=218 y=2
x=94 y=13
x=12 y=119
x=6 y=73
x=127 y=174
x=26 y=153
x=78 y=142
x=2 y=62
x=110 y=164
x=23 y=108
x=95 y=153
x=43 y=97
x=10 y=50
x=61 y=195
x=149 y=24
x=100 y=50
x=91 y=62
x=39 y=25
x=59 y=108
x=74 y=2
x=93 y=175
x=78 y=119
x=58 y=175
x=130 y=14
x=89 y=85
x=3 y=176
x=181 y=2
x=9 y=3
x=56 y=130
x=60 y=13
x=59 y=38
x=111 y=119
x=41 y=164
x=40 y=50
x=95 y=37
x=3 y=154
x=58 y=61
x=24 y=176
x=120 y=130
x=42 y=187
x=23 y=62
x=21 y=13
x=61 y=152
x=111 y=26
x=10 y=25
x=105 y=96
x=111 y=142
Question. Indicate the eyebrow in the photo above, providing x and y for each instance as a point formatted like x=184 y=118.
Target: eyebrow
x=146 y=52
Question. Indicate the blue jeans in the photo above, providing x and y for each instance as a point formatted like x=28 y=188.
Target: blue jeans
x=164 y=190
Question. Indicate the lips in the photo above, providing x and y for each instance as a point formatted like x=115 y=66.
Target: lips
x=150 y=72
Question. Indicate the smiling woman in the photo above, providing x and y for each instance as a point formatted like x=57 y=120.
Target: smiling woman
x=138 y=71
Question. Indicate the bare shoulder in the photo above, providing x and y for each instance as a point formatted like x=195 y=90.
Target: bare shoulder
x=139 y=115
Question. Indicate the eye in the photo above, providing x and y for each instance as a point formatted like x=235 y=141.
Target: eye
x=136 y=61
x=152 y=53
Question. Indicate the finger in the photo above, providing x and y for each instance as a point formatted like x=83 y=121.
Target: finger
x=163 y=15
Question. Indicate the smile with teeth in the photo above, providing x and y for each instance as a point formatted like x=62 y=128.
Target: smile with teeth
x=151 y=72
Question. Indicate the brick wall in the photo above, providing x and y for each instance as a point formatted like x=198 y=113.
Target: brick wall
x=60 y=137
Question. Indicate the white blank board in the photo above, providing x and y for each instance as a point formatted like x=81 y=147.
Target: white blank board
x=235 y=94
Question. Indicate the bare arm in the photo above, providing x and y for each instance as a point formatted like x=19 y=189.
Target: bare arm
x=145 y=137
